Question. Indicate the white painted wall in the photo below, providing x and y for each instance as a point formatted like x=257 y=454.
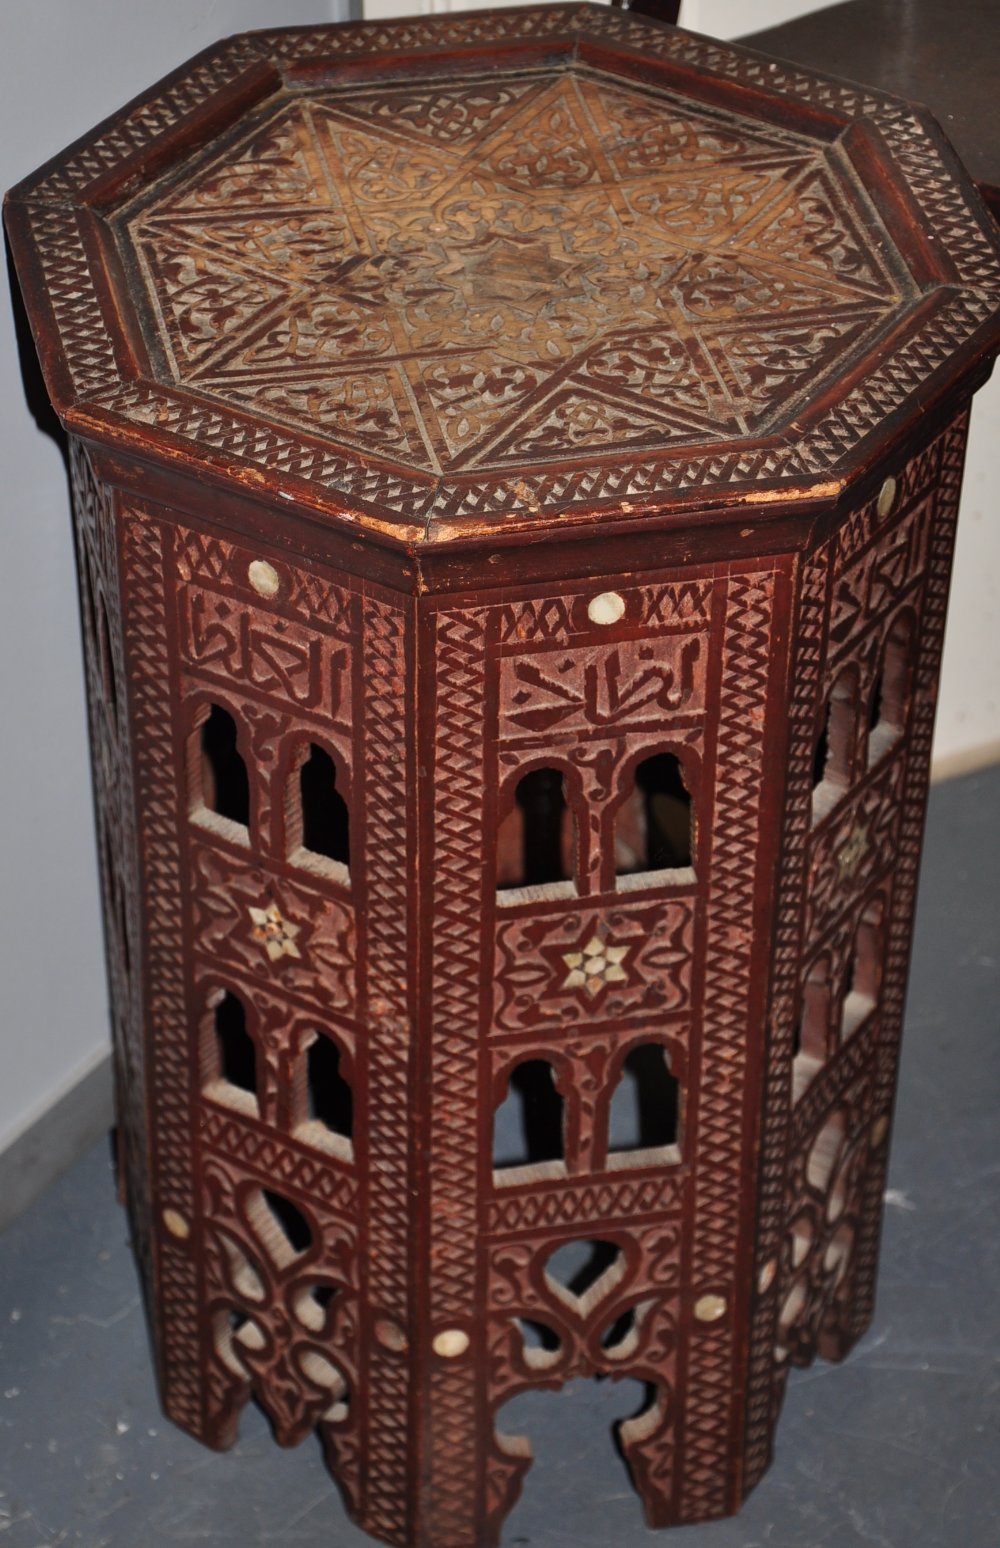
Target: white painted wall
x=967 y=734
x=719 y=18
x=65 y=65
x=731 y=18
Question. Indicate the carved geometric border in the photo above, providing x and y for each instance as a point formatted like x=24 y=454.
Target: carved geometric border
x=585 y=1201
x=711 y=1411
x=453 y=1503
x=171 y=1072
x=386 y=1509
x=775 y=1097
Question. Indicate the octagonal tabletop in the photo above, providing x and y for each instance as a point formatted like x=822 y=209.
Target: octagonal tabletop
x=531 y=265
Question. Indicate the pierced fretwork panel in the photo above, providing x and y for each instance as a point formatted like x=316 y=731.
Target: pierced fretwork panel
x=869 y=649
x=611 y=1095
x=268 y=1060
x=281 y=1305
x=566 y=1305
x=601 y=779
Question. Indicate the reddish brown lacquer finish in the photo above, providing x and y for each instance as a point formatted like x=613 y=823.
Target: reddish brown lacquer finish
x=516 y=460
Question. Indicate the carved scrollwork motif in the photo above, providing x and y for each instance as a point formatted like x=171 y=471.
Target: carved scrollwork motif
x=321 y=950
x=826 y=1186
x=283 y=1313
x=620 y=1318
x=645 y=965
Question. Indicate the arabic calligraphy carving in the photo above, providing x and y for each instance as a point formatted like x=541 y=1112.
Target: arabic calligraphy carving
x=634 y=681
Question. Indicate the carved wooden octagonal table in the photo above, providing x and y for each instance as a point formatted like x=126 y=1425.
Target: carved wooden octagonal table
x=516 y=460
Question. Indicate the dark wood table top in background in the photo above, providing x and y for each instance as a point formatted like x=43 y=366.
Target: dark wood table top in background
x=942 y=53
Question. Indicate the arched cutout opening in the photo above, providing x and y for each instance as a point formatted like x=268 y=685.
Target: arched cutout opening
x=801 y=1237
x=536 y=841
x=838 y=1255
x=889 y=702
x=279 y=1226
x=811 y=1046
x=619 y=1426
x=541 y=1345
x=792 y=1309
x=645 y=1110
x=654 y=828
x=825 y=1153
x=312 y=1305
x=236 y=1336
x=620 y=1337
x=330 y=1379
x=232 y=1054
x=317 y=817
x=864 y=973
x=220 y=786
x=875 y=707
x=244 y=1273
x=583 y=1273
x=529 y=1125
x=326 y=1099
x=834 y=756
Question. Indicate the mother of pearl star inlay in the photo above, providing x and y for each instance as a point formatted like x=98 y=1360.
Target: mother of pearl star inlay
x=274 y=932
x=596 y=965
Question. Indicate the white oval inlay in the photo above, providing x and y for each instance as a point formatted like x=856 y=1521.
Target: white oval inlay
x=709 y=1308
x=176 y=1224
x=264 y=578
x=606 y=608
x=886 y=497
x=451 y=1343
x=391 y=1336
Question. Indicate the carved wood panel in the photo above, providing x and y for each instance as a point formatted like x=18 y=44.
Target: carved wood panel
x=490 y=667
x=321 y=1328
x=487 y=413
x=861 y=855
x=111 y=735
x=326 y=1350
x=483 y=271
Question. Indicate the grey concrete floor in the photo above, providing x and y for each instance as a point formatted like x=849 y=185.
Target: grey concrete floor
x=898 y=1448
